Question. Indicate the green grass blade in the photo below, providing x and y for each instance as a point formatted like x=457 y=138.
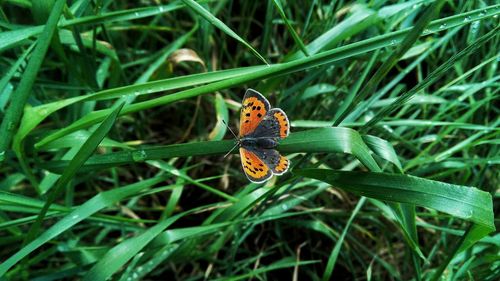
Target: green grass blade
x=7 y=76
x=382 y=71
x=467 y=203
x=123 y=252
x=295 y=36
x=435 y=75
x=331 y=140
x=332 y=260
x=20 y=96
x=74 y=165
x=262 y=72
x=92 y=206
x=197 y=8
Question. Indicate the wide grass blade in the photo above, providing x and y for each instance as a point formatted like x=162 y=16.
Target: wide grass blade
x=467 y=203
x=332 y=140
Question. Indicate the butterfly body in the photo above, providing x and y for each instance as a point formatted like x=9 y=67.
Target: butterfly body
x=261 y=129
x=259 y=143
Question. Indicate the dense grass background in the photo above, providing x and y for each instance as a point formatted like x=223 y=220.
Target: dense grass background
x=112 y=140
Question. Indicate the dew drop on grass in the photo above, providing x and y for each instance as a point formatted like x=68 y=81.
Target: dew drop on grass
x=284 y=207
x=139 y=156
x=75 y=217
x=44 y=112
x=469 y=214
x=442 y=26
x=160 y=8
x=10 y=125
x=467 y=18
x=475 y=27
x=136 y=14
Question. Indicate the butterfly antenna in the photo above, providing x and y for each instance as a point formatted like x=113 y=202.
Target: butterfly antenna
x=237 y=143
x=223 y=121
x=231 y=150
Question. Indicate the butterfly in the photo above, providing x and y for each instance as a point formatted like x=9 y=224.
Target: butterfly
x=261 y=128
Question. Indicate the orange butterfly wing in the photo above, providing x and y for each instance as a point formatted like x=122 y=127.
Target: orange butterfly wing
x=253 y=109
x=281 y=166
x=284 y=126
x=255 y=169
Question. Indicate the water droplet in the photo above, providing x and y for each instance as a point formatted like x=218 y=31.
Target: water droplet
x=442 y=26
x=139 y=156
x=482 y=14
x=136 y=14
x=392 y=42
x=149 y=91
x=467 y=18
x=474 y=26
x=137 y=93
x=75 y=217
x=427 y=31
x=139 y=269
x=134 y=275
x=469 y=213
x=161 y=8
x=495 y=16
x=284 y=207
x=415 y=6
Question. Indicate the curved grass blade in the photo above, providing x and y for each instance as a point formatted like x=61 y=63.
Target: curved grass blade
x=467 y=203
x=222 y=26
x=295 y=36
x=35 y=115
x=222 y=114
x=16 y=37
x=383 y=149
x=20 y=96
